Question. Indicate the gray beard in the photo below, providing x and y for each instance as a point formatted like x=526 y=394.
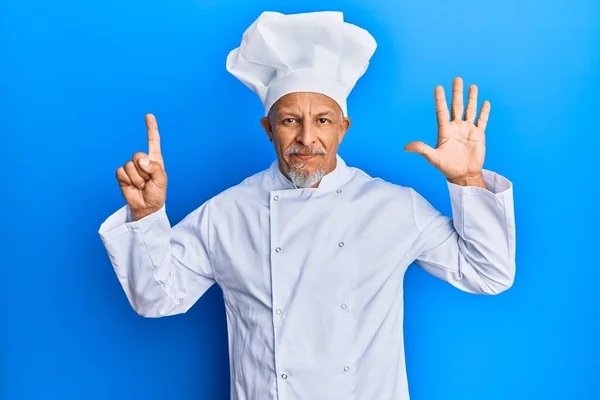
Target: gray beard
x=304 y=179
x=300 y=177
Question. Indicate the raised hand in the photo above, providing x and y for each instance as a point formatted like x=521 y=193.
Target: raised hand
x=143 y=179
x=460 y=150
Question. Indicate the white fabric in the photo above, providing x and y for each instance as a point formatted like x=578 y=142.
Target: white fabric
x=309 y=52
x=313 y=278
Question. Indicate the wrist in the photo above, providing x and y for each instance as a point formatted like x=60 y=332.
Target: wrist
x=137 y=215
x=474 y=180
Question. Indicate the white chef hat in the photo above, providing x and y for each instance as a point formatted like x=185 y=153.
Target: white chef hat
x=308 y=52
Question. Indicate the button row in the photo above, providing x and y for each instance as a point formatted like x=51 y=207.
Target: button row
x=340 y=244
x=279 y=311
x=285 y=376
x=275 y=198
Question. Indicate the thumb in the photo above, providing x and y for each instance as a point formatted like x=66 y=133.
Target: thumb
x=152 y=168
x=424 y=150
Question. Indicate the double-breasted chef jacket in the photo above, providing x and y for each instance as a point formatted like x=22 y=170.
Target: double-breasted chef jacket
x=312 y=278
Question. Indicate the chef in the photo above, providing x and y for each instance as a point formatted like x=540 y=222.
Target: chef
x=311 y=253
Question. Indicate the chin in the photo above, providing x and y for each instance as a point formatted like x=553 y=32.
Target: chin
x=306 y=166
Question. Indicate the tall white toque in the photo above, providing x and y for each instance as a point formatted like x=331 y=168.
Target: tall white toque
x=309 y=52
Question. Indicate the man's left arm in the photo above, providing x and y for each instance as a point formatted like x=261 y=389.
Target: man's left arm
x=475 y=249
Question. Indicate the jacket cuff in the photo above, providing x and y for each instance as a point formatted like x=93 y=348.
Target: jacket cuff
x=120 y=222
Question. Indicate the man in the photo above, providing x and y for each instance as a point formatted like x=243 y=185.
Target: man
x=311 y=253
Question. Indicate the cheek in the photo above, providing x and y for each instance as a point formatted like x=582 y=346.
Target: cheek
x=331 y=139
x=283 y=142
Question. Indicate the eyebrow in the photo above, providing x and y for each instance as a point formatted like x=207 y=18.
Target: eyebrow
x=324 y=113
x=284 y=114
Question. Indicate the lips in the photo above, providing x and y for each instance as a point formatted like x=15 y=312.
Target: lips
x=305 y=156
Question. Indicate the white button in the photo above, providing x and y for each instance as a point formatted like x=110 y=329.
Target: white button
x=341 y=244
x=346 y=368
x=284 y=376
x=344 y=306
x=338 y=191
x=276 y=198
x=278 y=249
x=278 y=312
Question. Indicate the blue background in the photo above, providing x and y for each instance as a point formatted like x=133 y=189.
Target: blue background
x=76 y=79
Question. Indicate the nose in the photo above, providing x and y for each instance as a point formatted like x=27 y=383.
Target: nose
x=307 y=135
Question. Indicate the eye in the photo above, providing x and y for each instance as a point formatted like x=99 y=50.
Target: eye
x=288 y=121
x=323 y=120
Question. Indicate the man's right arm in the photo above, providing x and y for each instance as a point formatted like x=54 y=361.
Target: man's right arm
x=162 y=270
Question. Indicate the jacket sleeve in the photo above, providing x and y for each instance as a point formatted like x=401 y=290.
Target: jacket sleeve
x=475 y=249
x=162 y=270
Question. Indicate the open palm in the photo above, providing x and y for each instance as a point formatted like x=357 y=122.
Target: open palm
x=460 y=149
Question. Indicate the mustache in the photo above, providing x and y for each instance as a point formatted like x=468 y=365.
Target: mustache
x=303 y=150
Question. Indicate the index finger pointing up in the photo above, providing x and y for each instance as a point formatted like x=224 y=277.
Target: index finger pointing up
x=153 y=138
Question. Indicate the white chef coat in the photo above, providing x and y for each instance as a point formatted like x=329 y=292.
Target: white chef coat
x=313 y=278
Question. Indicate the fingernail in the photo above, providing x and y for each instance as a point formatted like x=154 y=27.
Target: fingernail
x=144 y=162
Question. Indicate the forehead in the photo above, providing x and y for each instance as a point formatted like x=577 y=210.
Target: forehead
x=306 y=102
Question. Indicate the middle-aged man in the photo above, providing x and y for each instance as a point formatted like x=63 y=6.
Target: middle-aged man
x=311 y=253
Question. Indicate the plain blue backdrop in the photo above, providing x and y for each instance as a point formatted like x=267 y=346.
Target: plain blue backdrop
x=76 y=79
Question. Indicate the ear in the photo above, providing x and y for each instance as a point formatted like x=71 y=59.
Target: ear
x=266 y=125
x=344 y=126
